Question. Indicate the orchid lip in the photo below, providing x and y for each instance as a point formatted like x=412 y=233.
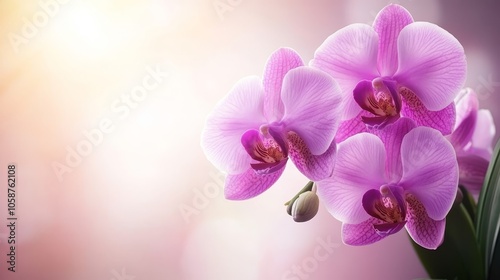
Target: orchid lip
x=388 y=206
x=380 y=98
x=266 y=147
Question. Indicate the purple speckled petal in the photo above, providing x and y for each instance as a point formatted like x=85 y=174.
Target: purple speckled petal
x=431 y=63
x=249 y=184
x=388 y=23
x=430 y=170
x=362 y=233
x=442 y=120
x=425 y=231
x=278 y=64
x=315 y=168
x=359 y=167
x=349 y=55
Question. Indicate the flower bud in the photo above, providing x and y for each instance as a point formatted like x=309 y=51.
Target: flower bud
x=305 y=207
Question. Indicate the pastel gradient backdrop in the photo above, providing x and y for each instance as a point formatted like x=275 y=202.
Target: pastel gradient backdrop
x=116 y=215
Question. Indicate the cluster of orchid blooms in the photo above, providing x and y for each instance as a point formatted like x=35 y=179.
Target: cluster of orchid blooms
x=378 y=120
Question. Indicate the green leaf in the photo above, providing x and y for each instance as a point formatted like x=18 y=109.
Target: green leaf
x=488 y=215
x=469 y=203
x=459 y=256
x=494 y=272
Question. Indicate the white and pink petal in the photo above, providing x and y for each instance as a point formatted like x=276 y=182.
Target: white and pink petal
x=237 y=112
x=431 y=63
x=359 y=167
x=278 y=64
x=349 y=55
x=312 y=106
x=430 y=170
x=388 y=23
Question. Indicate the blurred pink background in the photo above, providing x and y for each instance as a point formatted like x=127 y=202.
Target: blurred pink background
x=138 y=78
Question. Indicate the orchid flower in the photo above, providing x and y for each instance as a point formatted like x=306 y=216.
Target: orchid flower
x=405 y=176
x=472 y=139
x=397 y=67
x=292 y=112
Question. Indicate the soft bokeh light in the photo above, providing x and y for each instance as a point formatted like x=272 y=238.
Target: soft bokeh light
x=141 y=199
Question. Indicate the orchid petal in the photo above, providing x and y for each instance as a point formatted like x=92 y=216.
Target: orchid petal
x=430 y=170
x=425 y=231
x=362 y=233
x=351 y=127
x=278 y=64
x=484 y=133
x=315 y=168
x=472 y=172
x=465 y=103
x=362 y=93
x=312 y=105
x=249 y=184
x=349 y=55
x=392 y=137
x=238 y=112
x=388 y=23
x=442 y=120
x=466 y=107
x=359 y=167
x=431 y=63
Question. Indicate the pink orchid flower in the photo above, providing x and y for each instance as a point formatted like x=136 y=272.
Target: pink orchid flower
x=472 y=139
x=397 y=67
x=293 y=112
x=405 y=176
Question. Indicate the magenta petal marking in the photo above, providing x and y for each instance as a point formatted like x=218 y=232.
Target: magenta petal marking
x=361 y=234
x=425 y=231
x=315 y=168
x=442 y=120
x=388 y=23
x=249 y=184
